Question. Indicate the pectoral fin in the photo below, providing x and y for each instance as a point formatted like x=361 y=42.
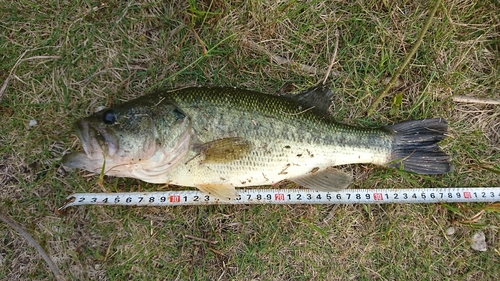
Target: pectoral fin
x=220 y=191
x=328 y=180
x=225 y=150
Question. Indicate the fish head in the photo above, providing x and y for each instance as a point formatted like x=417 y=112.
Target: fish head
x=129 y=137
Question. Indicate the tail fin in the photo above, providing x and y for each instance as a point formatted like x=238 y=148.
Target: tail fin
x=415 y=146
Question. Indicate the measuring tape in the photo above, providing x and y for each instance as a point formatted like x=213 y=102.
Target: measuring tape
x=290 y=196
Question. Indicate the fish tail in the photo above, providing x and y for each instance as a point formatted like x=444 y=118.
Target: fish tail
x=415 y=147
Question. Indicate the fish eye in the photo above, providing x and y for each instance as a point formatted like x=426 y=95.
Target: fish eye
x=109 y=117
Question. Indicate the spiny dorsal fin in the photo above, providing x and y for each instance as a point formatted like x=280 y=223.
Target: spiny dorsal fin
x=319 y=98
x=225 y=150
x=219 y=191
x=328 y=180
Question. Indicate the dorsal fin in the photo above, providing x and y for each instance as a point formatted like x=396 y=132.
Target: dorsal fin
x=319 y=98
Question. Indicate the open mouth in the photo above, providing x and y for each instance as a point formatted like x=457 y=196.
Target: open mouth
x=96 y=142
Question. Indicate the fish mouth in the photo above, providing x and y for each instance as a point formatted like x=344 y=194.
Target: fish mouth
x=96 y=141
x=98 y=145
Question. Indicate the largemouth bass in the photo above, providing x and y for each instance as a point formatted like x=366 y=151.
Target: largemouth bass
x=217 y=139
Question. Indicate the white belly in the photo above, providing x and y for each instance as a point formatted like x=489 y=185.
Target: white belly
x=269 y=165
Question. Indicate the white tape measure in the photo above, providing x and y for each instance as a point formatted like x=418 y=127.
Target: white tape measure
x=290 y=196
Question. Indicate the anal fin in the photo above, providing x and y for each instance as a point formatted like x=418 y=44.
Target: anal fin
x=328 y=180
x=220 y=191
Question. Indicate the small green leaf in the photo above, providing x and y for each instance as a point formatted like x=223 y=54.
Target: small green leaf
x=397 y=101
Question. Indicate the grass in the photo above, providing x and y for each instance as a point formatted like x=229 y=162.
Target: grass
x=79 y=55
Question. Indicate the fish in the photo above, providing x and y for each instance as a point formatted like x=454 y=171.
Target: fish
x=218 y=139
